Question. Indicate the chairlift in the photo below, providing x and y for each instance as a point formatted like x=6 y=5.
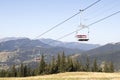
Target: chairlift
x=79 y=35
x=82 y=37
x=37 y=59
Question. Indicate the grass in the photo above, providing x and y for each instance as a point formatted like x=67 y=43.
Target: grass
x=72 y=76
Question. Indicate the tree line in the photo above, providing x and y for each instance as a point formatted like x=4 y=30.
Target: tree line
x=57 y=65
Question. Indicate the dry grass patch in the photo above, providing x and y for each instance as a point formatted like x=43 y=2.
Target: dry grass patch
x=72 y=76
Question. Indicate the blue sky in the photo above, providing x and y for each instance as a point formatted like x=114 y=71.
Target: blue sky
x=30 y=18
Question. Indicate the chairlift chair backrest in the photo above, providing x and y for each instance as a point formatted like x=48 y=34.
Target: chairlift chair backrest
x=82 y=37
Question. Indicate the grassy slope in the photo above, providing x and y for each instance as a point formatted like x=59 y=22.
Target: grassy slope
x=73 y=76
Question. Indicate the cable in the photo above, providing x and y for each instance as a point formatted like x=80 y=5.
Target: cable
x=68 y=34
x=58 y=24
x=104 y=18
x=67 y=19
x=91 y=5
x=105 y=8
x=88 y=26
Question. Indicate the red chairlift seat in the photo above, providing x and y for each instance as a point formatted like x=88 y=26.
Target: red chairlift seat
x=37 y=59
x=82 y=37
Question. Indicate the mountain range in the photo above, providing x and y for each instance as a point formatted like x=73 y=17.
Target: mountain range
x=25 y=50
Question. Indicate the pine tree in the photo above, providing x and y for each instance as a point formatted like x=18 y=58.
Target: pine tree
x=53 y=67
x=2 y=73
x=36 y=71
x=106 y=69
x=88 y=65
x=25 y=71
x=69 y=66
x=42 y=65
x=32 y=72
x=20 y=72
x=111 y=67
x=48 y=68
x=58 y=62
x=7 y=74
x=95 y=66
x=62 y=63
x=81 y=66
x=29 y=71
x=76 y=65
x=13 y=71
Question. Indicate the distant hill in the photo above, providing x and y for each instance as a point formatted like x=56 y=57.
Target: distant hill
x=17 y=50
x=10 y=38
x=11 y=45
x=71 y=45
x=26 y=44
x=108 y=52
x=106 y=49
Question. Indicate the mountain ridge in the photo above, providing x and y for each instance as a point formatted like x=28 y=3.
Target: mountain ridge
x=71 y=45
x=109 y=53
